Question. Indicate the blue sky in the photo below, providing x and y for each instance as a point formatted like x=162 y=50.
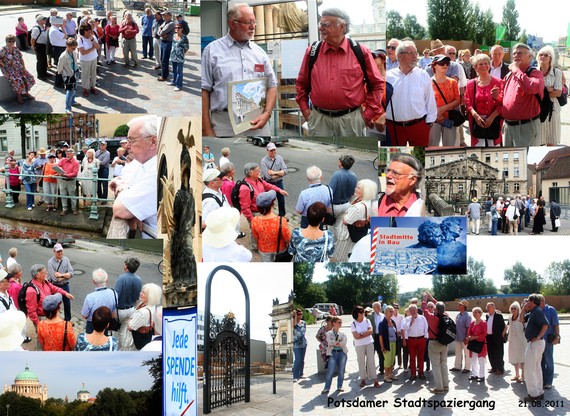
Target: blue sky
x=64 y=372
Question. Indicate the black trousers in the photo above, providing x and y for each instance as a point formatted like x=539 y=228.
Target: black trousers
x=399 y=352
x=553 y=222
x=41 y=60
x=496 y=351
x=378 y=350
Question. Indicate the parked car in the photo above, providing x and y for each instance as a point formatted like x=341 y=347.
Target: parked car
x=321 y=315
x=112 y=146
x=47 y=241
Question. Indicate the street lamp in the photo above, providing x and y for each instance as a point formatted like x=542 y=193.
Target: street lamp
x=7 y=410
x=273 y=332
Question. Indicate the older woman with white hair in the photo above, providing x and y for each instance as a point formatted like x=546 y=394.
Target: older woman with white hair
x=483 y=102
x=142 y=323
x=356 y=220
x=87 y=175
x=517 y=341
x=550 y=131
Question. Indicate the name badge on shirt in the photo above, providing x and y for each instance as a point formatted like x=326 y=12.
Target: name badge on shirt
x=259 y=68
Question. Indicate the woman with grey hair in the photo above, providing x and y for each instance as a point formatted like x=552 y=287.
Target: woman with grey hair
x=550 y=129
x=356 y=220
x=483 y=102
x=87 y=175
x=144 y=316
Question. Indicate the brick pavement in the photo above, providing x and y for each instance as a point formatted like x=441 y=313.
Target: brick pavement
x=504 y=396
x=121 y=90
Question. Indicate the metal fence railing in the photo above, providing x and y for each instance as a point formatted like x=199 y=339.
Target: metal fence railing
x=94 y=212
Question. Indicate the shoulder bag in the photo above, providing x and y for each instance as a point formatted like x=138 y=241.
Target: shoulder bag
x=329 y=217
x=143 y=335
x=64 y=335
x=324 y=257
x=475 y=346
x=359 y=229
x=563 y=99
x=490 y=133
x=284 y=256
x=454 y=115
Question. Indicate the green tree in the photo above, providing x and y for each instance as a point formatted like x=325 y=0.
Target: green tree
x=307 y=293
x=523 y=280
x=523 y=38
x=54 y=407
x=23 y=120
x=557 y=276
x=352 y=284
x=121 y=131
x=446 y=19
x=20 y=405
x=154 y=396
x=405 y=297
x=77 y=408
x=449 y=287
x=486 y=32
x=412 y=28
x=510 y=20
x=112 y=402
x=394 y=25
x=419 y=152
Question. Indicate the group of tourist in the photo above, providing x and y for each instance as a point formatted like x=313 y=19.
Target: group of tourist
x=78 y=47
x=334 y=217
x=512 y=215
x=123 y=318
x=482 y=88
x=531 y=331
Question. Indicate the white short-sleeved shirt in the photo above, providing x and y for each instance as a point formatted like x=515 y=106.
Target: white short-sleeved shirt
x=361 y=327
x=87 y=44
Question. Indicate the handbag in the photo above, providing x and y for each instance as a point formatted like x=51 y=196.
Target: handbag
x=329 y=217
x=359 y=229
x=115 y=325
x=475 y=346
x=284 y=256
x=563 y=99
x=454 y=115
x=143 y=335
x=490 y=133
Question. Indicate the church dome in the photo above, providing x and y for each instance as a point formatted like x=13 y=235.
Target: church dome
x=26 y=375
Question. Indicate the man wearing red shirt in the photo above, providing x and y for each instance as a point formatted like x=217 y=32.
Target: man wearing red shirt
x=67 y=182
x=342 y=102
x=520 y=106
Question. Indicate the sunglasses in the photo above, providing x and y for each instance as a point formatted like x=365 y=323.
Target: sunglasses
x=391 y=47
x=442 y=63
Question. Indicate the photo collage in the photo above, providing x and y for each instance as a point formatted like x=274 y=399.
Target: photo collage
x=271 y=181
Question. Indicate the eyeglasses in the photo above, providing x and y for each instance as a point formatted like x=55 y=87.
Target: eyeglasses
x=10 y=41
x=442 y=63
x=250 y=23
x=326 y=25
x=133 y=140
x=397 y=175
x=540 y=54
x=178 y=27
x=452 y=53
x=409 y=53
x=391 y=47
x=520 y=53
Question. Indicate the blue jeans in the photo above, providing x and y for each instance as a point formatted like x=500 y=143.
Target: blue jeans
x=281 y=199
x=30 y=189
x=148 y=42
x=298 y=362
x=547 y=364
x=69 y=98
x=177 y=68
x=337 y=360
x=165 y=48
x=494 y=226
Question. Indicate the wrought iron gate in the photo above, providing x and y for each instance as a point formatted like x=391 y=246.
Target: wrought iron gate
x=226 y=353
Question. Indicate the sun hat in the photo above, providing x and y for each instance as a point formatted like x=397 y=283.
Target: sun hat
x=221 y=227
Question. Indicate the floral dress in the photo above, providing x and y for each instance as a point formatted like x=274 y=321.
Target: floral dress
x=310 y=251
x=84 y=345
x=13 y=69
x=323 y=343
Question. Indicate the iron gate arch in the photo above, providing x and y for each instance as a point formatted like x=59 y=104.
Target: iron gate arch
x=227 y=350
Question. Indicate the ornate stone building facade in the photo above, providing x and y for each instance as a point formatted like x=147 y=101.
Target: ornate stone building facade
x=281 y=316
x=27 y=384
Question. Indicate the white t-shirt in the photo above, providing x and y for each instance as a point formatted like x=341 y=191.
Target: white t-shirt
x=87 y=44
x=361 y=327
x=233 y=252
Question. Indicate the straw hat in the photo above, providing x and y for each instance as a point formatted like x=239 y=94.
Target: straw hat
x=435 y=45
x=221 y=227
x=12 y=322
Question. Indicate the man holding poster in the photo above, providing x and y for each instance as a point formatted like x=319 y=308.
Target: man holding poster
x=234 y=57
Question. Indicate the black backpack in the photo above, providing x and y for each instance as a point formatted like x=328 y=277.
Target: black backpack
x=220 y=203
x=447 y=330
x=545 y=103
x=314 y=54
x=235 y=193
x=22 y=296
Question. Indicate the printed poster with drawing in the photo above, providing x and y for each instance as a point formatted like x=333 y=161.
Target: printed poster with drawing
x=419 y=245
x=246 y=101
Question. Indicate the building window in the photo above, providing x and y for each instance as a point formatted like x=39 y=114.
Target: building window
x=3 y=141
x=554 y=183
x=516 y=187
x=283 y=338
x=442 y=187
x=431 y=161
x=488 y=158
x=461 y=157
x=516 y=172
x=442 y=161
x=496 y=157
x=460 y=187
x=505 y=172
x=505 y=157
x=516 y=157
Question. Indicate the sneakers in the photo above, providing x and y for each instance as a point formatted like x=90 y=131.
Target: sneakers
x=325 y=391
x=29 y=208
x=161 y=79
x=436 y=391
x=176 y=89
